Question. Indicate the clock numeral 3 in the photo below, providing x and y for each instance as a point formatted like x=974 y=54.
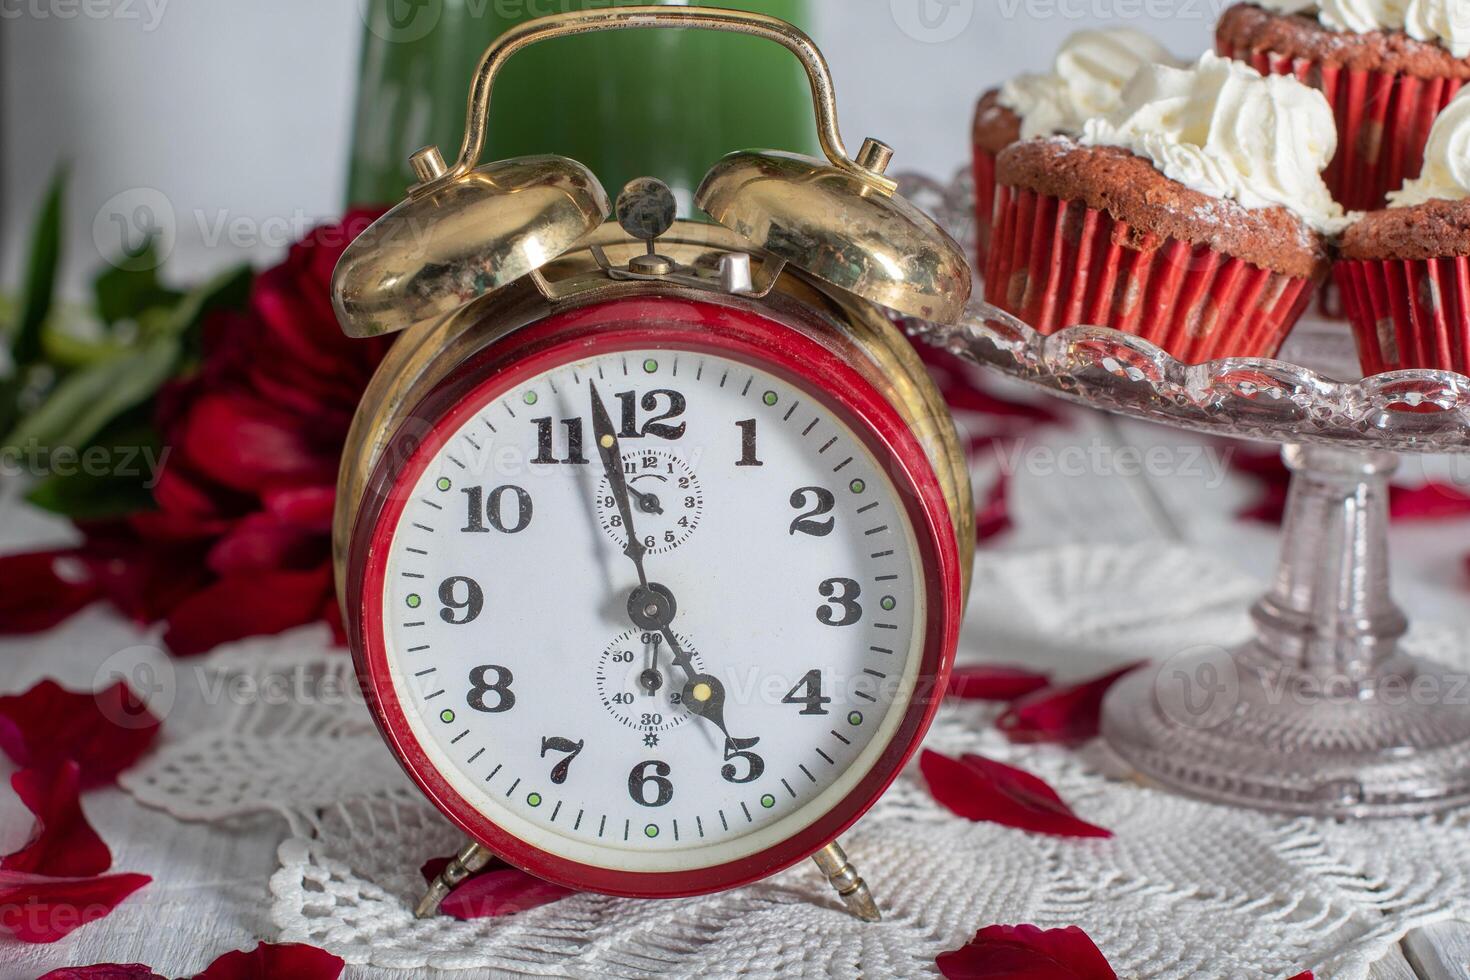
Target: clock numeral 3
x=642 y=783
x=494 y=510
x=456 y=610
x=555 y=743
x=807 y=523
x=843 y=608
x=481 y=685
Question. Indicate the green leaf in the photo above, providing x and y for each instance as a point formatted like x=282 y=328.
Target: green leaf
x=90 y=398
x=109 y=479
x=40 y=275
x=227 y=290
x=130 y=285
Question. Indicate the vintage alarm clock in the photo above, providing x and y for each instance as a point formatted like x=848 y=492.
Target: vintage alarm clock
x=653 y=537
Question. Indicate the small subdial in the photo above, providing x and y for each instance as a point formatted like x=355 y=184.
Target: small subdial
x=639 y=683
x=665 y=495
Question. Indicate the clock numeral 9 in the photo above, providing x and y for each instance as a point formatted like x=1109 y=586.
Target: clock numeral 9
x=494 y=510
x=640 y=781
x=481 y=685
x=459 y=611
x=807 y=523
x=842 y=607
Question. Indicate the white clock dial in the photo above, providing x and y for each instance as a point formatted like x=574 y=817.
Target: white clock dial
x=726 y=709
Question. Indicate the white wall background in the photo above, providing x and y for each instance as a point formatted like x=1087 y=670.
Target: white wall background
x=239 y=110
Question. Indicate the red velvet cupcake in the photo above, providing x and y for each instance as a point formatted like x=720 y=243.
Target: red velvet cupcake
x=1086 y=80
x=1404 y=271
x=1194 y=216
x=1387 y=67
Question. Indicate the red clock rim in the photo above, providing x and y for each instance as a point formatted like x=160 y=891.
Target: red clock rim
x=653 y=323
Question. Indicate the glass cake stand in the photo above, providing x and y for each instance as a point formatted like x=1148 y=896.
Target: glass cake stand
x=1320 y=713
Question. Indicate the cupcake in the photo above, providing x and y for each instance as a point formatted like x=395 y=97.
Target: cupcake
x=1086 y=80
x=1404 y=271
x=1193 y=216
x=1387 y=67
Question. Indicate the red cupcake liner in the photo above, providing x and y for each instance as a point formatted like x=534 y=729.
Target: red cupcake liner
x=1056 y=264
x=984 y=203
x=1408 y=313
x=1383 y=122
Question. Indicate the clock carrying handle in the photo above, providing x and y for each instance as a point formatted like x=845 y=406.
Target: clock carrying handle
x=433 y=173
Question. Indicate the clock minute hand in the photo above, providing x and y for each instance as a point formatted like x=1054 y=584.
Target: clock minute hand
x=611 y=455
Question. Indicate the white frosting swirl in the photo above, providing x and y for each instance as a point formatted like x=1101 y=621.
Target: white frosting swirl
x=1086 y=80
x=1446 y=173
x=1223 y=129
x=1444 y=21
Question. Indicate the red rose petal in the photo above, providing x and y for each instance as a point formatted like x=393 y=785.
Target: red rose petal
x=1068 y=713
x=253 y=604
x=42 y=909
x=104 y=971
x=993 y=682
x=262 y=542
x=105 y=732
x=310 y=508
x=247 y=444
x=1026 y=953
x=502 y=892
x=42 y=588
x=1433 y=501
x=994 y=516
x=275 y=961
x=63 y=843
x=1303 y=976
x=982 y=789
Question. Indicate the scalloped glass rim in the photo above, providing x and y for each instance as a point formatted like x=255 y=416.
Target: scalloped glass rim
x=1418 y=411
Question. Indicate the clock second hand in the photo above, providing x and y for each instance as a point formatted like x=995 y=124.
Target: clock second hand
x=651 y=606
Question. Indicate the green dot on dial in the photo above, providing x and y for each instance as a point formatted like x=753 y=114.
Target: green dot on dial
x=529 y=398
x=887 y=602
x=651 y=366
x=768 y=801
x=443 y=483
x=651 y=831
x=447 y=716
x=534 y=799
x=857 y=486
x=769 y=398
x=854 y=717
x=414 y=600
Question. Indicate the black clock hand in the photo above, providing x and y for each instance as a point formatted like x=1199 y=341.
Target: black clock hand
x=612 y=467
x=647 y=502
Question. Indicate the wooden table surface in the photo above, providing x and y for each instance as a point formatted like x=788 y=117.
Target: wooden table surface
x=210 y=889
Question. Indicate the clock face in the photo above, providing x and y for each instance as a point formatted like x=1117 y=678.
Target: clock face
x=650 y=610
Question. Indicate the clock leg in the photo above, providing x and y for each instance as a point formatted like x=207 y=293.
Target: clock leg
x=849 y=884
x=471 y=858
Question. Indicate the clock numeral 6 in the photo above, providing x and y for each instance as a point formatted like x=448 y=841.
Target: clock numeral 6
x=807 y=523
x=459 y=611
x=640 y=780
x=481 y=684
x=479 y=510
x=842 y=607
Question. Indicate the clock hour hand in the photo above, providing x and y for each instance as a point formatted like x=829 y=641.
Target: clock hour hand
x=611 y=455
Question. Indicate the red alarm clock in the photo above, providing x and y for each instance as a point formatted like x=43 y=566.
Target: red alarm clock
x=653 y=536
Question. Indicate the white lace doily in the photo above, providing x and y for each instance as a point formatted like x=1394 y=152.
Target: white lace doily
x=1184 y=889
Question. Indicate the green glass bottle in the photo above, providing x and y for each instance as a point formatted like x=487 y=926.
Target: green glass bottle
x=627 y=103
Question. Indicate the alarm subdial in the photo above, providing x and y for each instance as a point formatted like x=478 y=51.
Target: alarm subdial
x=639 y=684
x=665 y=495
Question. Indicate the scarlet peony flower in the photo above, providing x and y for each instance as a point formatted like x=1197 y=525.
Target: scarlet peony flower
x=239 y=542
